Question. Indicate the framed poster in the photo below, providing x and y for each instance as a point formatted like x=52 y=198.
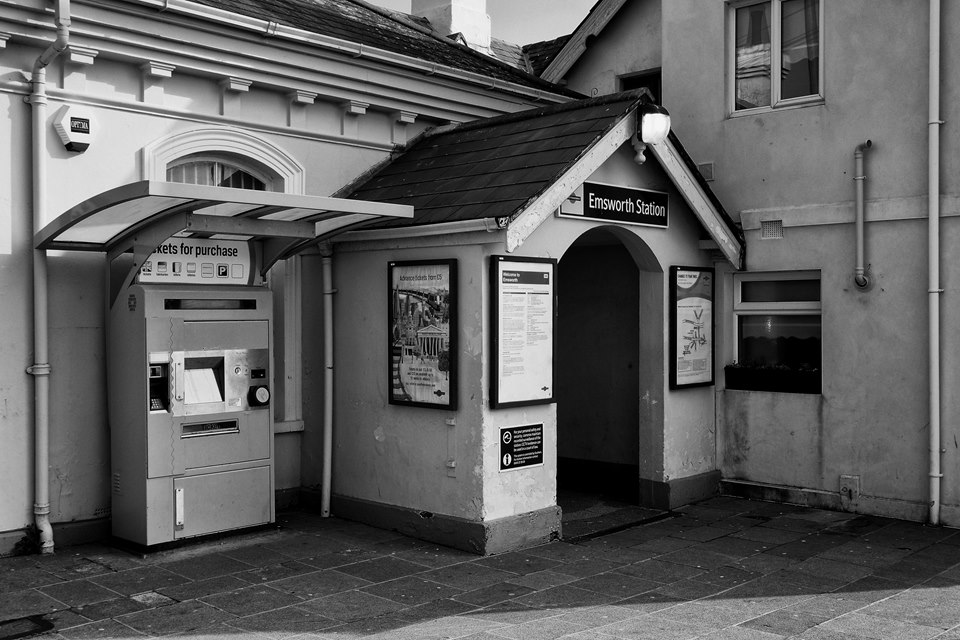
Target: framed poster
x=523 y=322
x=423 y=332
x=691 y=326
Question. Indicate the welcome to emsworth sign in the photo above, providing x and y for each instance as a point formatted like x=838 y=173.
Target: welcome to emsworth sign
x=618 y=204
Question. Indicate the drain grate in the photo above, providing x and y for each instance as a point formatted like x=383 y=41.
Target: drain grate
x=24 y=627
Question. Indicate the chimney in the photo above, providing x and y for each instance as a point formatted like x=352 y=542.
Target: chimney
x=466 y=17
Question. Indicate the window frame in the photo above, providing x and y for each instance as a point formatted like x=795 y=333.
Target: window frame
x=803 y=308
x=776 y=53
x=226 y=160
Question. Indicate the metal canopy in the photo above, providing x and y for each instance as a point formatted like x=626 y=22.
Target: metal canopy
x=148 y=212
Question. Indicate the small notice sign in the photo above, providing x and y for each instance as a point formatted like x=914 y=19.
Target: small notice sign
x=521 y=447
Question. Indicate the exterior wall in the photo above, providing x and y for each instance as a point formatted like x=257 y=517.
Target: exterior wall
x=796 y=165
x=630 y=44
x=395 y=456
x=133 y=110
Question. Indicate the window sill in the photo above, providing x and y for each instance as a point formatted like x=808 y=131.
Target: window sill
x=785 y=106
x=769 y=379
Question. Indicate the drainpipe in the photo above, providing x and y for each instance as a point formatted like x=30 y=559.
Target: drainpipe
x=40 y=370
x=933 y=255
x=859 y=275
x=328 y=291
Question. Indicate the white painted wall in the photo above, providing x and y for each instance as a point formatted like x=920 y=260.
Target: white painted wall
x=333 y=150
x=395 y=455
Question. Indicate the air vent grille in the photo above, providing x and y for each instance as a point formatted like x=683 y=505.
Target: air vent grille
x=771 y=229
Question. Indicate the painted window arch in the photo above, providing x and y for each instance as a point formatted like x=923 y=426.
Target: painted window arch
x=278 y=170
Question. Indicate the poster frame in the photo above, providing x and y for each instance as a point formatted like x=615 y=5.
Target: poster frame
x=675 y=347
x=496 y=390
x=393 y=267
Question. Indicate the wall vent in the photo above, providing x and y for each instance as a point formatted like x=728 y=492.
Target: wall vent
x=706 y=170
x=771 y=229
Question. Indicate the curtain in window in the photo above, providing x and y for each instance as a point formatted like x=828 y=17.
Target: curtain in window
x=213 y=173
x=753 y=56
x=800 y=51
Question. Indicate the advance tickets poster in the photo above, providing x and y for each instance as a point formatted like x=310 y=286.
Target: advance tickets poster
x=423 y=329
x=524 y=313
x=691 y=326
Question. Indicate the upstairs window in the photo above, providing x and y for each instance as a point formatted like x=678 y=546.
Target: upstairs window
x=781 y=35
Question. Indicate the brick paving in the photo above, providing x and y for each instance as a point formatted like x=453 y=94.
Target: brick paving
x=722 y=569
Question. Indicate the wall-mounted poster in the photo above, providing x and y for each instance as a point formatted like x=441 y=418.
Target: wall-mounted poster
x=523 y=319
x=423 y=331
x=691 y=326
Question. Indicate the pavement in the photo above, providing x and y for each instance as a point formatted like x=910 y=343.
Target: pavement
x=726 y=568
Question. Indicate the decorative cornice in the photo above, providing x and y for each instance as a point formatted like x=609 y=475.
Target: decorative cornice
x=355 y=107
x=236 y=85
x=299 y=96
x=156 y=69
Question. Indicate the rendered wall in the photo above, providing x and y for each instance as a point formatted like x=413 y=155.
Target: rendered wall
x=630 y=43
x=796 y=165
x=132 y=110
x=396 y=455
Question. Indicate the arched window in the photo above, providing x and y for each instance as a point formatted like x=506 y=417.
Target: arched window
x=214 y=172
x=229 y=147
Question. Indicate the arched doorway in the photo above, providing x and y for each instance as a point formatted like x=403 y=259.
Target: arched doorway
x=610 y=372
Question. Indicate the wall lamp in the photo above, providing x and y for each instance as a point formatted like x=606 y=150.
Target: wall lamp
x=653 y=126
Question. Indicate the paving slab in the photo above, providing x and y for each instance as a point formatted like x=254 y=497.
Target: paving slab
x=722 y=569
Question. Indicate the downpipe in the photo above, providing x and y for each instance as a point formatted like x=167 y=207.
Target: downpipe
x=328 y=293
x=933 y=259
x=40 y=370
x=859 y=275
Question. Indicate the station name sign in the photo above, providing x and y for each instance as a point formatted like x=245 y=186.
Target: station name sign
x=612 y=203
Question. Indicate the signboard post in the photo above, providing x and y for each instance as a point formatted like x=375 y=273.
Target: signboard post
x=523 y=318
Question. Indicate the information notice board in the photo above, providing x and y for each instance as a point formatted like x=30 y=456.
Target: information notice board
x=524 y=312
x=691 y=326
x=521 y=447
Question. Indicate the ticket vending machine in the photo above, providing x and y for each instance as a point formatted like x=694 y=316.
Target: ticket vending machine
x=189 y=379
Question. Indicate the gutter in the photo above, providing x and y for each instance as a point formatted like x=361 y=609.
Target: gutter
x=40 y=370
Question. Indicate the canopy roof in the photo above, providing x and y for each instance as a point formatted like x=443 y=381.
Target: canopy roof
x=148 y=212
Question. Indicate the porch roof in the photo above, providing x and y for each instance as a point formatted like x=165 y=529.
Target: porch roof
x=518 y=168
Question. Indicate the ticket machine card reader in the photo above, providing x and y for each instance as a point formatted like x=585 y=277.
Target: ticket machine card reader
x=158 y=375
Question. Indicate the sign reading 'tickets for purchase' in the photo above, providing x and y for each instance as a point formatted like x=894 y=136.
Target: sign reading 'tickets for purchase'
x=607 y=202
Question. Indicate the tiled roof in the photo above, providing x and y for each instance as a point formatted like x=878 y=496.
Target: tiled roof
x=508 y=53
x=540 y=54
x=491 y=168
x=359 y=22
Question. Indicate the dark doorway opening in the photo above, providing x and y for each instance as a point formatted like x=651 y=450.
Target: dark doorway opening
x=598 y=374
